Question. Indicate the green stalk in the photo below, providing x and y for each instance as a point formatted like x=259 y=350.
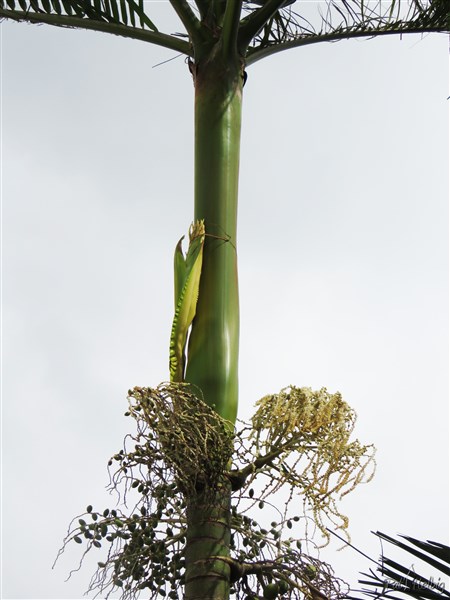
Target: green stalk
x=212 y=357
x=207 y=542
x=214 y=342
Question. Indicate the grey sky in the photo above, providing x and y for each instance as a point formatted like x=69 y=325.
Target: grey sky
x=343 y=250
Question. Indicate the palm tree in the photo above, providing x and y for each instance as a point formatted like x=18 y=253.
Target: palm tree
x=221 y=40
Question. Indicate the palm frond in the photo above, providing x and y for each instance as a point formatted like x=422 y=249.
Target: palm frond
x=107 y=11
x=298 y=23
x=392 y=578
x=121 y=17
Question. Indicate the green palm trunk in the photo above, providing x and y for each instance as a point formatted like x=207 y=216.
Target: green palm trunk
x=207 y=540
x=213 y=347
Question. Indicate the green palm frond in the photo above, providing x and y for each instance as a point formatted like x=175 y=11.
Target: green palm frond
x=121 y=17
x=297 y=23
x=122 y=12
x=393 y=581
x=262 y=28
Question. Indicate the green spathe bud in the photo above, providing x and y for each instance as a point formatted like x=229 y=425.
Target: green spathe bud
x=187 y=281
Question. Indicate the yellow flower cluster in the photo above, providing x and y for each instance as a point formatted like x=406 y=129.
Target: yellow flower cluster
x=302 y=437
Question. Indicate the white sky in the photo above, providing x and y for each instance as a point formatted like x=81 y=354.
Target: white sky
x=343 y=250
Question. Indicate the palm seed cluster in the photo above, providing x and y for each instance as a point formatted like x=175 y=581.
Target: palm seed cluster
x=298 y=442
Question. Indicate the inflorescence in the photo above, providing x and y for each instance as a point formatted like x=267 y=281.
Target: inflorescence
x=297 y=449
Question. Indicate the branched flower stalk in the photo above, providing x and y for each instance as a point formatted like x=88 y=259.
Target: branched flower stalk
x=299 y=440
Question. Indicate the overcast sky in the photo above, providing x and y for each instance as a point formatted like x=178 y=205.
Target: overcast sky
x=343 y=260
